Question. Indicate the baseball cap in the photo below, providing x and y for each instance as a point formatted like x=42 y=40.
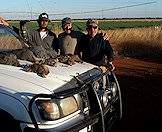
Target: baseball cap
x=66 y=20
x=92 y=22
x=43 y=16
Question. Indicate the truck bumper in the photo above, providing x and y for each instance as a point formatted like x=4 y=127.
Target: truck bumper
x=99 y=119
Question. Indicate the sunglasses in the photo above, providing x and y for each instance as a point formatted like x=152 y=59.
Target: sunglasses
x=90 y=27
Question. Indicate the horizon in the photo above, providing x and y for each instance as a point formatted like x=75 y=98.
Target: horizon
x=81 y=9
x=125 y=18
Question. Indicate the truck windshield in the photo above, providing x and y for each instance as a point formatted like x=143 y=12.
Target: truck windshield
x=9 y=39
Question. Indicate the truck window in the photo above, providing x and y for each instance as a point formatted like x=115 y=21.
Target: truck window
x=7 y=40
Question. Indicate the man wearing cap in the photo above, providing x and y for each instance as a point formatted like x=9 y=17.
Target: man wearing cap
x=94 y=48
x=43 y=41
x=68 y=39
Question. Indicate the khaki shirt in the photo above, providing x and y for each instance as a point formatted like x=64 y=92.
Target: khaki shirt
x=68 y=42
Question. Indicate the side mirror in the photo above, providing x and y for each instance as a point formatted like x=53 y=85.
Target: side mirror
x=24 y=29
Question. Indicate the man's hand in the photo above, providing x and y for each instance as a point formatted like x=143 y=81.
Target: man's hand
x=105 y=36
x=111 y=66
x=103 y=68
x=3 y=21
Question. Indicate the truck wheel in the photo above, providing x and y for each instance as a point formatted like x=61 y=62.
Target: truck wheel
x=119 y=101
x=7 y=122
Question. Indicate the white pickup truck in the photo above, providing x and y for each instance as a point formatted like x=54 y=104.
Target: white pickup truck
x=71 y=98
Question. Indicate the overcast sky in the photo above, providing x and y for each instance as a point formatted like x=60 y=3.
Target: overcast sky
x=57 y=8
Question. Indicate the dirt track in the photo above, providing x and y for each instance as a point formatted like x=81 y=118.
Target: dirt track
x=141 y=87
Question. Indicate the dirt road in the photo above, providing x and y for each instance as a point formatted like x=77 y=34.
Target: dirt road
x=141 y=87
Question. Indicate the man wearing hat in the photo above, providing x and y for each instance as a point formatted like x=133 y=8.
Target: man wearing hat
x=68 y=39
x=42 y=41
x=94 y=48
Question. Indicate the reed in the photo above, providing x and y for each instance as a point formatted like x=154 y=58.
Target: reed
x=137 y=42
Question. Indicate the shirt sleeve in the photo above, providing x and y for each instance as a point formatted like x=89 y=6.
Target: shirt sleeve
x=30 y=39
x=55 y=44
x=108 y=50
x=79 y=47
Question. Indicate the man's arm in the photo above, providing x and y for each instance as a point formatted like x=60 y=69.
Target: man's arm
x=3 y=21
x=55 y=45
x=108 y=55
x=80 y=46
x=30 y=38
x=108 y=50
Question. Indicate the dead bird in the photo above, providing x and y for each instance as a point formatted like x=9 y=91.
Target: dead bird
x=75 y=58
x=8 y=59
x=50 y=61
x=36 y=55
x=25 y=54
x=41 y=69
x=65 y=59
x=69 y=59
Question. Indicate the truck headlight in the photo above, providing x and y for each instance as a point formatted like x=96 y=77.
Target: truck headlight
x=68 y=106
x=49 y=110
x=58 y=108
x=104 y=99
x=113 y=87
x=101 y=91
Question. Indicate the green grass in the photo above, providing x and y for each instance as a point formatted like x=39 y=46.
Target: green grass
x=104 y=25
x=128 y=24
x=31 y=25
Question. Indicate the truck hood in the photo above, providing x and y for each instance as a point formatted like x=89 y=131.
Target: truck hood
x=16 y=82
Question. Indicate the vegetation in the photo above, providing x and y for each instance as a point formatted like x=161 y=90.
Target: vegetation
x=104 y=24
x=128 y=24
x=139 y=43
